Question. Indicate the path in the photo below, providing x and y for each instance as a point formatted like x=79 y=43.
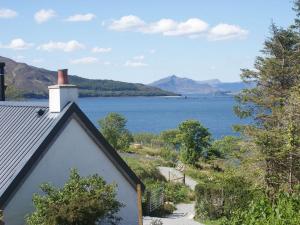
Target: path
x=177 y=174
x=182 y=216
x=184 y=213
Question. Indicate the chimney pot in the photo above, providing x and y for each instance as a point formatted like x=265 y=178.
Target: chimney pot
x=62 y=93
x=62 y=77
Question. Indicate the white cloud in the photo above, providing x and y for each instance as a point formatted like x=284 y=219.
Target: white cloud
x=81 y=17
x=69 y=46
x=101 y=50
x=225 y=31
x=136 y=61
x=126 y=23
x=17 y=44
x=7 y=13
x=192 y=28
x=166 y=27
x=85 y=60
x=161 y=26
x=131 y=63
x=44 y=15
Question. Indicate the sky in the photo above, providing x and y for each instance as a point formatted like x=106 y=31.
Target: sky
x=140 y=41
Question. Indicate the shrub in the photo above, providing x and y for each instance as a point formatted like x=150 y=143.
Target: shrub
x=283 y=210
x=168 y=154
x=82 y=200
x=222 y=197
x=145 y=170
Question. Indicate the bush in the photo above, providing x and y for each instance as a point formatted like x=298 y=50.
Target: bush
x=82 y=200
x=222 y=197
x=284 y=210
x=168 y=154
x=145 y=170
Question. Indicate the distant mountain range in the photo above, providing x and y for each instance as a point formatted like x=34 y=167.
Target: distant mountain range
x=187 y=86
x=31 y=82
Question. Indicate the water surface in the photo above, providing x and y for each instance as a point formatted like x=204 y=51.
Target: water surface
x=155 y=114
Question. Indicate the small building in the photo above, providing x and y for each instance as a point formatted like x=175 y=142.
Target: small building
x=42 y=142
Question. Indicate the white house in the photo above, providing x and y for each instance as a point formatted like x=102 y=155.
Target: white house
x=40 y=143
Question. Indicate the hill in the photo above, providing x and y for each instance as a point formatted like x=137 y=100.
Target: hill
x=183 y=86
x=32 y=82
x=206 y=87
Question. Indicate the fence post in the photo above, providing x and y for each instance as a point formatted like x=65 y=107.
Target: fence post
x=139 y=202
x=183 y=178
x=148 y=200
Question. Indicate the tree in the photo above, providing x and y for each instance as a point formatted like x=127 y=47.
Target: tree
x=113 y=128
x=225 y=147
x=82 y=200
x=276 y=73
x=169 y=137
x=194 y=139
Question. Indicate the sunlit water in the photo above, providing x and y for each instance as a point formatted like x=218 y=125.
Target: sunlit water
x=155 y=114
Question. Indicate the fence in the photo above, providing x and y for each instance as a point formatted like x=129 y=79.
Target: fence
x=155 y=199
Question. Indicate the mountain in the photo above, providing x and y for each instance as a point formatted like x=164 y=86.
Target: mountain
x=28 y=81
x=206 y=87
x=183 y=86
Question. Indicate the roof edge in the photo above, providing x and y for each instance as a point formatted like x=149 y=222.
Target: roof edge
x=43 y=147
x=110 y=152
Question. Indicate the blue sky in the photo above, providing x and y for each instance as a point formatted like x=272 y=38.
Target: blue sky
x=139 y=40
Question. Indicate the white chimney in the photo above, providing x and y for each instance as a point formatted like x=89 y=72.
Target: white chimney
x=62 y=93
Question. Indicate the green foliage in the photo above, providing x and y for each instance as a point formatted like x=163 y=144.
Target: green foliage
x=169 y=137
x=82 y=200
x=173 y=192
x=145 y=170
x=283 y=210
x=225 y=147
x=113 y=128
x=168 y=154
x=221 y=197
x=194 y=139
x=277 y=75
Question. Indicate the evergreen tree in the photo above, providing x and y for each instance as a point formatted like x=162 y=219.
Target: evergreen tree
x=276 y=74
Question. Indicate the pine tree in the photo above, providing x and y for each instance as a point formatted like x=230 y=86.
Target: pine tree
x=276 y=74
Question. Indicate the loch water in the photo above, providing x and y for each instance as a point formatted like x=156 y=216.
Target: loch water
x=155 y=114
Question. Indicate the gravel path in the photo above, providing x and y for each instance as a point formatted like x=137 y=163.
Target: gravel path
x=182 y=216
x=165 y=171
x=184 y=213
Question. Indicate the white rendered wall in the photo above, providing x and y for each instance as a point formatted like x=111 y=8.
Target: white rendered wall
x=72 y=149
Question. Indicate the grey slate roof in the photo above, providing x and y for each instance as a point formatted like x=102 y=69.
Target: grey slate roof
x=26 y=131
x=21 y=131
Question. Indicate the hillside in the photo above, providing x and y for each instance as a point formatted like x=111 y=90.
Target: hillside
x=32 y=82
x=183 y=86
x=206 y=87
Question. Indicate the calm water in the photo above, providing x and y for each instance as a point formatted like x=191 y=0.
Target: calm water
x=155 y=114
